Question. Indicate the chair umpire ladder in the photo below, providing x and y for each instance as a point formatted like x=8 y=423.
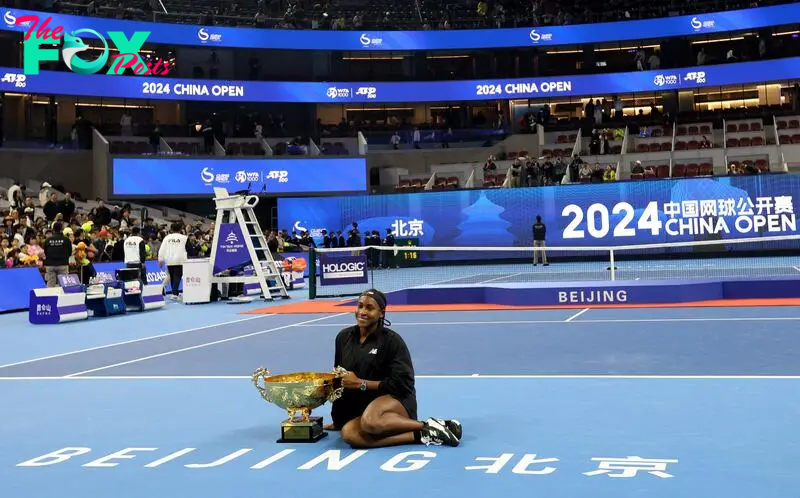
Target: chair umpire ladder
x=239 y=209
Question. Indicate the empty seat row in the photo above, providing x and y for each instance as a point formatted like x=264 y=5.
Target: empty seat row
x=745 y=142
x=494 y=180
x=794 y=123
x=734 y=128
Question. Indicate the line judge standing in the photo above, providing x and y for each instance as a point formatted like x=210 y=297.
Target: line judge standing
x=173 y=253
x=539 y=235
x=136 y=252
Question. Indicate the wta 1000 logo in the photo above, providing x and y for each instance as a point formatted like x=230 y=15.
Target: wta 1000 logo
x=73 y=45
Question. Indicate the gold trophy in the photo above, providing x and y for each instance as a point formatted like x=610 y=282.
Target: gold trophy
x=300 y=393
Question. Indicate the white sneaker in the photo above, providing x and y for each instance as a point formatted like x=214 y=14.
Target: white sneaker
x=437 y=434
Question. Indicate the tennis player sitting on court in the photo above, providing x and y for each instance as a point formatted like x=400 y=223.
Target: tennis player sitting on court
x=379 y=405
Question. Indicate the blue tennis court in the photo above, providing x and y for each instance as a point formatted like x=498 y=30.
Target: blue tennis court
x=571 y=403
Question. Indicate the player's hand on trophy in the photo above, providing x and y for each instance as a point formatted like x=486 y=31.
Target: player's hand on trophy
x=350 y=381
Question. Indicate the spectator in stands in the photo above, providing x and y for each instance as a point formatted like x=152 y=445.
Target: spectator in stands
x=539 y=236
x=610 y=173
x=415 y=140
x=701 y=57
x=447 y=137
x=489 y=165
x=751 y=168
x=83 y=256
x=704 y=143
x=594 y=143
x=618 y=107
x=57 y=252
x=126 y=124
x=532 y=174
x=637 y=169
x=341 y=239
x=585 y=172
x=598 y=113
x=101 y=241
x=796 y=97
x=515 y=174
x=101 y=214
x=16 y=196
x=30 y=209
x=125 y=220
x=149 y=230
x=395 y=141
x=67 y=206
x=24 y=232
x=155 y=139
x=639 y=59
x=606 y=145
x=35 y=251
x=44 y=193
x=654 y=61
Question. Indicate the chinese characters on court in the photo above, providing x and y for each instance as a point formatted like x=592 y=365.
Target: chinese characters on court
x=340 y=460
x=530 y=464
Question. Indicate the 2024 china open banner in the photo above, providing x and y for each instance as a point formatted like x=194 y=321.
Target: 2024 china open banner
x=609 y=214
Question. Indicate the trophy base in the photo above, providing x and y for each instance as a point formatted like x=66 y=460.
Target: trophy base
x=302 y=432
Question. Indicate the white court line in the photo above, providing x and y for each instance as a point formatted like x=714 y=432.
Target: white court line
x=445 y=377
x=204 y=345
x=132 y=341
x=576 y=315
x=796 y=268
x=499 y=278
x=609 y=320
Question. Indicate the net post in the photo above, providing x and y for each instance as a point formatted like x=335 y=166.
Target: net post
x=613 y=270
x=312 y=273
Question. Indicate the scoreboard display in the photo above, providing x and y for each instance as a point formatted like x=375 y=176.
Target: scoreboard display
x=407 y=257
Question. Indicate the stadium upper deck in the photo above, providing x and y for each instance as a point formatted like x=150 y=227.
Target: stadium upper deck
x=368 y=56
x=399 y=14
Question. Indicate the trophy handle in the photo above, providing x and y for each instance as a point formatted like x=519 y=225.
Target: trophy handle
x=337 y=393
x=260 y=373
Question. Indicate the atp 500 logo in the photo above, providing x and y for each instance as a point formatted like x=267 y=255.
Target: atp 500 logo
x=128 y=56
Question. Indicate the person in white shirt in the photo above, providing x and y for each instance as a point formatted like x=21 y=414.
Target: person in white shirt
x=44 y=193
x=135 y=251
x=173 y=254
x=395 y=141
x=16 y=196
x=126 y=124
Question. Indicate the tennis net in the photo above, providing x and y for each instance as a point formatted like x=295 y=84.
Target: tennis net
x=350 y=271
